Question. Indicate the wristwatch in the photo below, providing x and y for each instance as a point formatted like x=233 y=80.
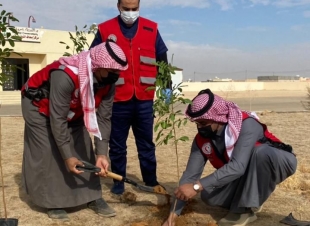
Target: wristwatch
x=196 y=187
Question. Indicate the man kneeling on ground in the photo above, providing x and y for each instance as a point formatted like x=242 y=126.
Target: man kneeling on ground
x=249 y=161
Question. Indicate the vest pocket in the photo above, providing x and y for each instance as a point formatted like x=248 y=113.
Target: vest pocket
x=147 y=80
x=147 y=59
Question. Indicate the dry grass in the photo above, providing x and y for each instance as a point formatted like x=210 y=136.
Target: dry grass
x=150 y=209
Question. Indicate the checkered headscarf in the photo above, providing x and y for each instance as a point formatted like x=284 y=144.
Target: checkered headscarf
x=105 y=55
x=220 y=111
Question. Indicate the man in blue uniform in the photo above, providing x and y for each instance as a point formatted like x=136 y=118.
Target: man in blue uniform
x=133 y=104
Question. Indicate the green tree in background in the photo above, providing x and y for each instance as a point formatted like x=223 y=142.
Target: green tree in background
x=8 y=35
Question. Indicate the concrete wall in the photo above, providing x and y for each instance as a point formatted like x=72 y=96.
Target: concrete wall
x=244 y=86
x=287 y=85
x=222 y=86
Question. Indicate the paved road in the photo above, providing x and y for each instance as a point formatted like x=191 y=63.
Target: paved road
x=10 y=110
x=279 y=104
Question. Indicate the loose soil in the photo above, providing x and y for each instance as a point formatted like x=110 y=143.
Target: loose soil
x=147 y=209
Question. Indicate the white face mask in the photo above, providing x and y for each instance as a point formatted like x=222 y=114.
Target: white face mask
x=129 y=17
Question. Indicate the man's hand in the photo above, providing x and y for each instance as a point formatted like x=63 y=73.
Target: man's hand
x=185 y=192
x=103 y=163
x=171 y=220
x=71 y=163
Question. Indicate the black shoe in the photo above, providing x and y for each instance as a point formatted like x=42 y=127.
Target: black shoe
x=240 y=219
x=59 y=214
x=155 y=183
x=101 y=207
x=118 y=188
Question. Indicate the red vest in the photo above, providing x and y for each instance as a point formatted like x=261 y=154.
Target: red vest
x=38 y=79
x=141 y=56
x=216 y=159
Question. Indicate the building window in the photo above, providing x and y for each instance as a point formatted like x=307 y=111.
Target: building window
x=17 y=77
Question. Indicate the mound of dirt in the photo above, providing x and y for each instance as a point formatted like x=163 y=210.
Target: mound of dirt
x=160 y=190
x=212 y=224
x=129 y=198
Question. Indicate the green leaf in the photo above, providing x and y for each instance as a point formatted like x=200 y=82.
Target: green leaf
x=156 y=127
x=184 y=138
x=172 y=117
x=8 y=35
x=187 y=101
x=16 y=38
x=14 y=19
x=163 y=125
x=179 y=123
x=12 y=43
x=150 y=88
x=178 y=112
x=1 y=37
x=12 y=29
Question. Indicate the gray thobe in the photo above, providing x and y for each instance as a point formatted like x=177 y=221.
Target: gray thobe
x=250 y=176
x=48 y=141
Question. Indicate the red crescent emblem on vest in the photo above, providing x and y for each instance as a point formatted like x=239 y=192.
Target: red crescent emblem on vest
x=206 y=148
x=112 y=37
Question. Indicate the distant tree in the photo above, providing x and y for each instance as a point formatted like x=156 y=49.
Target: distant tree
x=306 y=104
x=79 y=40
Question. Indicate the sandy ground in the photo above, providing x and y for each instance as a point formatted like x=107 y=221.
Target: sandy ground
x=150 y=209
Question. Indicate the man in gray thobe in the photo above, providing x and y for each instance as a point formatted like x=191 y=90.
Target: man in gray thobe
x=250 y=161
x=54 y=144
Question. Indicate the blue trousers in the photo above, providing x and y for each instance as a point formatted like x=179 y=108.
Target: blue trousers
x=138 y=115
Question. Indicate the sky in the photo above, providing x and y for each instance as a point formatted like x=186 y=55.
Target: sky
x=235 y=39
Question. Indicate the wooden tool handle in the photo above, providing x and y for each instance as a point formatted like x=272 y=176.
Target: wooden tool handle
x=115 y=176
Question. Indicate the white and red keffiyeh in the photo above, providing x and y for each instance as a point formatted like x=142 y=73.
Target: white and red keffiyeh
x=86 y=63
x=221 y=111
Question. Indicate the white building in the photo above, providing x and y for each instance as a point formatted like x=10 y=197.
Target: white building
x=177 y=78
